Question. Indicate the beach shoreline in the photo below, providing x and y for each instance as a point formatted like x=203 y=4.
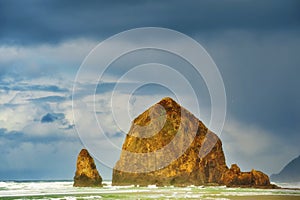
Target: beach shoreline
x=55 y=190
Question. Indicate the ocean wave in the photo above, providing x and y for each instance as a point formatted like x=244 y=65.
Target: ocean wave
x=288 y=185
x=65 y=190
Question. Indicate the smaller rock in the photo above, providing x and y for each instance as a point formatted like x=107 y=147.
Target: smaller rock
x=233 y=177
x=86 y=172
x=260 y=178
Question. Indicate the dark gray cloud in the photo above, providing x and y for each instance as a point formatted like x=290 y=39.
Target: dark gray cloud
x=51 y=117
x=31 y=22
x=59 y=118
x=261 y=77
x=32 y=87
x=18 y=137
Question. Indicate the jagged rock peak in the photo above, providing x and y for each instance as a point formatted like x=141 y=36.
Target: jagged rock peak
x=86 y=174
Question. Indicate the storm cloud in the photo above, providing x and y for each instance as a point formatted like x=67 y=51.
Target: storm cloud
x=33 y=22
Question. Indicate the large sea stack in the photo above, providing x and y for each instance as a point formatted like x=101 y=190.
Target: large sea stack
x=86 y=174
x=167 y=145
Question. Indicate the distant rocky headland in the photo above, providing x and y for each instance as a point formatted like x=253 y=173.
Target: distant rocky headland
x=167 y=145
x=290 y=173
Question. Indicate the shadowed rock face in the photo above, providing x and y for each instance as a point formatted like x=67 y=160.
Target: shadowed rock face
x=167 y=145
x=86 y=172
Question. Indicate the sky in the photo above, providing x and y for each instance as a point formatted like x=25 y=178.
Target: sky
x=255 y=45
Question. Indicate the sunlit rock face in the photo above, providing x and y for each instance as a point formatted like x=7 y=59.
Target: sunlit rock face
x=167 y=145
x=86 y=174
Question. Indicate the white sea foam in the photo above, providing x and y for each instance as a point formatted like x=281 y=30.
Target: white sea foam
x=65 y=190
x=152 y=186
x=3 y=184
x=289 y=185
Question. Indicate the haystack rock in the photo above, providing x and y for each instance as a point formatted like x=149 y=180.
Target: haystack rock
x=86 y=174
x=167 y=145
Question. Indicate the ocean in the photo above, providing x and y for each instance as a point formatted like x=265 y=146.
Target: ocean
x=64 y=190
